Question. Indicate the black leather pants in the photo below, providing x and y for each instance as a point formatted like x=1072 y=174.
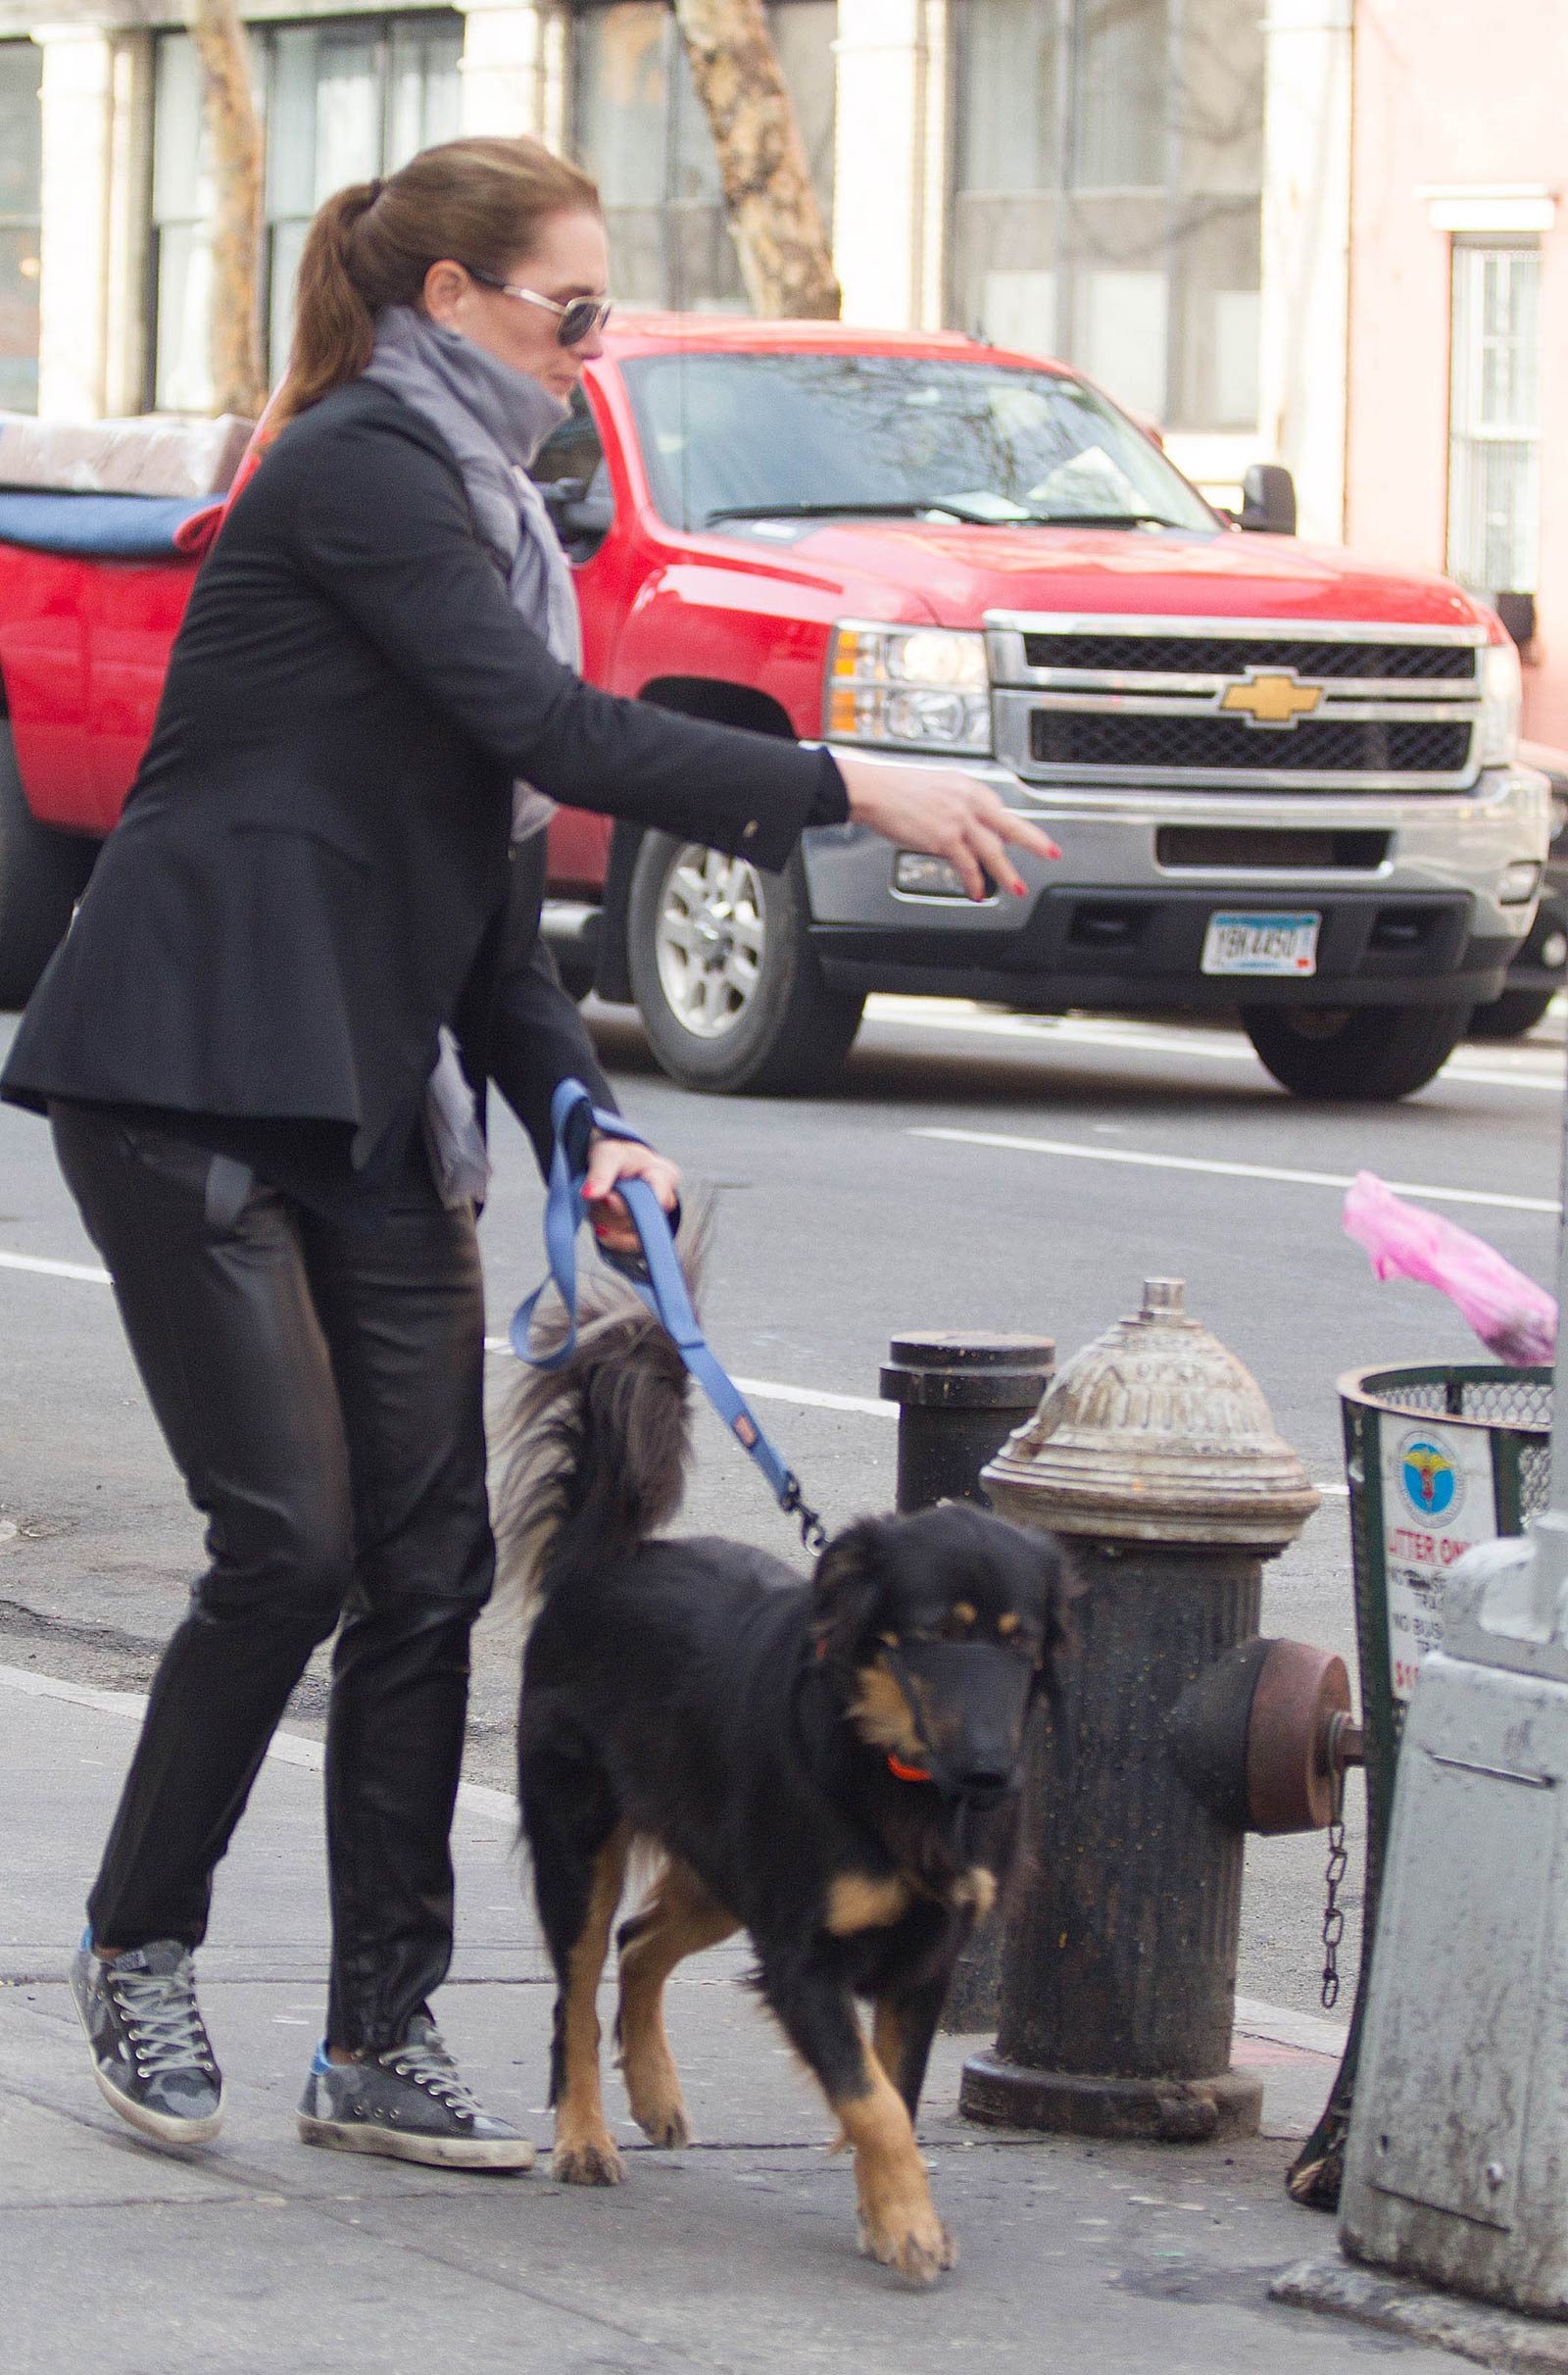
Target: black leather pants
x=321 y=1389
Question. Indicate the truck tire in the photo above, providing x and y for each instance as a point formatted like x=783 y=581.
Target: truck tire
x=1510 y=1016
x=727 y=984
x=1362 y=1054
x=42 y=875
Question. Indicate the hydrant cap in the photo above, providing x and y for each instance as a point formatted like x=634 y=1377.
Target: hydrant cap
x=1155 y=1433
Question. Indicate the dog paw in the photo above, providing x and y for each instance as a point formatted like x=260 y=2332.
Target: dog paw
x=916 y=2246
x=653 y=2090
x=663 y=2124
x=586 y=2160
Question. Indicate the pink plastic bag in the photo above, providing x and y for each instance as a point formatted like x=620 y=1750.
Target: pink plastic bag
x=1513 y=1316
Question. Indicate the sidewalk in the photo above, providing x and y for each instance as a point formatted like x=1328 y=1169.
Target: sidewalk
x=259 y=2258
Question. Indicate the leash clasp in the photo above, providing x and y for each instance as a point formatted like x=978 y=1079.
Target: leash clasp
x=790 y=1500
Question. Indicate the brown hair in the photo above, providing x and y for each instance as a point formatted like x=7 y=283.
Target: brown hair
x=479 y=201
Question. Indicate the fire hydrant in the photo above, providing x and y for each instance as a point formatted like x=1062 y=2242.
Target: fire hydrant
x=1178 y=1730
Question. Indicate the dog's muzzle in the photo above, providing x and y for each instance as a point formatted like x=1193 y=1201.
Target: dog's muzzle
x=967 y=1701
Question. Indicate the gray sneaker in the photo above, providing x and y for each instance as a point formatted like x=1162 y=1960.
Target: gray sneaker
x=150 y=2051
x=409 y=2103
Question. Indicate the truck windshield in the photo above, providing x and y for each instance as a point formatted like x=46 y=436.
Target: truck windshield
x=737 y=438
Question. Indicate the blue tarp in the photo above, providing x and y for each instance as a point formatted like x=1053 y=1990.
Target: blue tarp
x=118 y=527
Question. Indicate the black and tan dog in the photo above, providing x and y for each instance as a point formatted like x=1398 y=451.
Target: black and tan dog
x=832 y=1765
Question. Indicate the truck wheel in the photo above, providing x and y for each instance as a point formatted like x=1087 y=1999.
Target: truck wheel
x=728 y=986
x=1360 y=1055
x=42 y=875
x=1510 y=1016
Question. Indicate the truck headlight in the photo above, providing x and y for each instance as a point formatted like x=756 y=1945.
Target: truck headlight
x=919 y=688
x=1500 y=704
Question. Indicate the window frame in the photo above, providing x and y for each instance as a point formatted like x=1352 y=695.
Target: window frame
x=20 y=225
x=378 y=28
x=678 y=221
x=1470 y=437
x=1185 y=230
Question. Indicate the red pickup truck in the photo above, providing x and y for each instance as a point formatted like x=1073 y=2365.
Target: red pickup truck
x=1285 y=781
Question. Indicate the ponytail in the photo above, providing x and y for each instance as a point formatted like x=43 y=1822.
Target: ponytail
x=334 y=328
x=481 y=202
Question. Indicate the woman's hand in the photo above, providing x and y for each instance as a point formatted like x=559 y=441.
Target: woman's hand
x=612 y=1159
x=947 y=813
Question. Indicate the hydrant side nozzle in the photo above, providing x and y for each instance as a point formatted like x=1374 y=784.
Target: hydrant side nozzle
x=1206 y=1731
x=1293 y=1780
x=1260 y=1736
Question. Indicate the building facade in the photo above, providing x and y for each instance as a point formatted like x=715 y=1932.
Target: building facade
x=1326 y=233
x=1458 y=312
x=1080 y=176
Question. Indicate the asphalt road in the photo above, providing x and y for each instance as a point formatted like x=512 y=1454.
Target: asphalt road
x=1125 y=1151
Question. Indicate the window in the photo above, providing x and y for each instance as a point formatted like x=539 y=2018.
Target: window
x=342 y=100
x=638 y=126
x=576 y=450
x=21 y=166
x=1494 y=415
x=1107 y=194
x=743 y=437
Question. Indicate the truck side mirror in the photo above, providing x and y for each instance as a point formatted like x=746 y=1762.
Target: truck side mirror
x=1268 y=500
x=583 y=513
x=1518 y=614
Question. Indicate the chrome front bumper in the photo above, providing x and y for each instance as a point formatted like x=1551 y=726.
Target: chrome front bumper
x=1447 y=858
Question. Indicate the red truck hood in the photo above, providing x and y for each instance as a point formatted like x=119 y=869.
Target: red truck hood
x=954 y=575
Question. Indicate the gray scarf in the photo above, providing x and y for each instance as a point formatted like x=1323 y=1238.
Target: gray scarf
x=494 y=419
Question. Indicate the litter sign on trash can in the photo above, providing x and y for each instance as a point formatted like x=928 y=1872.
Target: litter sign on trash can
x=1437 y=1458
x=1439 y=1501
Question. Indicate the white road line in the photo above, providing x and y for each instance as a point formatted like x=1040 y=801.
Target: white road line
x=764 y=1389
x=810 y=1398
x=1232 y=1170
x=54 y=1270
x=1540 y=1072
x=287 y=1748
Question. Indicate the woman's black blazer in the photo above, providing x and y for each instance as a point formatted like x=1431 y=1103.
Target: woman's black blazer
x=308 y=875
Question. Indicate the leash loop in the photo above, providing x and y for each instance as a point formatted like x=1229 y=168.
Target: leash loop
x=656 y=1276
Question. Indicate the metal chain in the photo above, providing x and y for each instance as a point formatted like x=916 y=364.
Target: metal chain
x=1332 y=1911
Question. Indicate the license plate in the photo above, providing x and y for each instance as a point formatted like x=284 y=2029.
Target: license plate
x=1261 y=944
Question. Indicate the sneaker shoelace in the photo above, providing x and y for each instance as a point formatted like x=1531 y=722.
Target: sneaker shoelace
x=429 y=2066
x=165 y=2028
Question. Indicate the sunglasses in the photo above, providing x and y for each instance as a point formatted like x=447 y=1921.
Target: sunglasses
x=578 y=318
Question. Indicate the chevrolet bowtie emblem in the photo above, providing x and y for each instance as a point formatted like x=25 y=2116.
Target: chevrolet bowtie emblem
x=1272 y=700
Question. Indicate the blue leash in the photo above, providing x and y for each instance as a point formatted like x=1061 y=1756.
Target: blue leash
x=657 y=1278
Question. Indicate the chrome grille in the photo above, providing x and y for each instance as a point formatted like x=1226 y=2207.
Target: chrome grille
x=1069 y=738
x=1222 y=704
x=1228 y=656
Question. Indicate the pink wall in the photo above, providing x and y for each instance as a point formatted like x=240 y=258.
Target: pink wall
x=1452 y=94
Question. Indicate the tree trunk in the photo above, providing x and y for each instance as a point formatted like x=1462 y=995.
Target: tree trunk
x=239 y=383
x=768 y=192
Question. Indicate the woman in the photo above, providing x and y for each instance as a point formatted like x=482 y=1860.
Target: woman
x=255 y=1046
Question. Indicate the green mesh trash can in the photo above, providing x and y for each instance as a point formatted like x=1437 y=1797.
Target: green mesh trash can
x=1437 y=1458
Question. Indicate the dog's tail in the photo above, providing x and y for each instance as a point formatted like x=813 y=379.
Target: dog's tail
x=594 y=1453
